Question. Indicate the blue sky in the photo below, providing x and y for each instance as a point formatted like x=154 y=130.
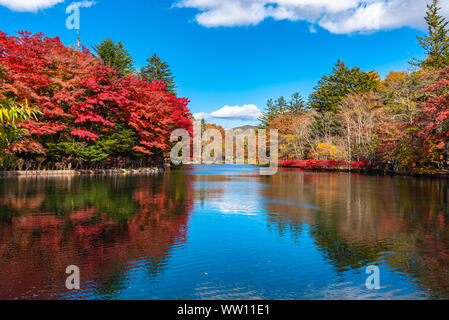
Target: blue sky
x=239 y=52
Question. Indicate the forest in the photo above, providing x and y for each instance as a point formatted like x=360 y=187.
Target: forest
x=61 y=108
x=355 y=119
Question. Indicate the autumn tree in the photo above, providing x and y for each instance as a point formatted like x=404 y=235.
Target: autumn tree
x=90 y=115
x=158 y=70
x=402 y=93
x=434 y=122
x=115 y=56
x=436 y=42
x=360 y=114
x=295 y=134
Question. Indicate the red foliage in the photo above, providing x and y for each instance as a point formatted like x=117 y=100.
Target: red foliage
x=434 y=122
x=314 y=164
x=27 y=146
x=79 y=97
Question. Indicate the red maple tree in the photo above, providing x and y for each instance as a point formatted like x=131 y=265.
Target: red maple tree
x=81 y=98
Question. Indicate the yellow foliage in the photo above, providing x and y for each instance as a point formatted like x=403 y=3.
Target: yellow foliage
x=395 y=77
x=330 y=152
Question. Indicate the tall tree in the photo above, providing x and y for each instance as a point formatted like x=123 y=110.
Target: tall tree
x=279 y=107
x=434 y=121
x=158 y=70
x=436 y=42
x=115 y=56
x=332 y=89
x=296 y=104
x=402 y=93
x=269 y=114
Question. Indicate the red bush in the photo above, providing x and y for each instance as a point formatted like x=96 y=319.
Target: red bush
x=314 y=164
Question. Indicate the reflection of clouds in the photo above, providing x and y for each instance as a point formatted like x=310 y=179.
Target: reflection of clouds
x=237 y=291
x=350 y=291
x=233 y=207
x=230 y=197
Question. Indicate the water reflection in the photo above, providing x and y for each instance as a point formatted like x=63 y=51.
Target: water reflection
x=358 y=220
x=99 y=224
x=225 y=232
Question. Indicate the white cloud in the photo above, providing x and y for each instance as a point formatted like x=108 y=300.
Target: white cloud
x=336 y=16
x=29 y=5
x=201 y=115
x=36 y=5
x=247 y=112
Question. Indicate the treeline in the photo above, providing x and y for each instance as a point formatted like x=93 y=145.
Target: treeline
x=400 y=123
x=65 y=109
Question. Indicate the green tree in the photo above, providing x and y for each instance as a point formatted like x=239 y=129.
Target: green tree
x=296 y=104
x=269 y=114
x=12 y=115
x=156 y=69
x=436 y=42
x=333 y=88
x=119 y=141
x=281 y=106
x=115 y=56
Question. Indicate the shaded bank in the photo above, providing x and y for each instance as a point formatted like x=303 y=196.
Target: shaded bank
x=379 y=167
x=106 y=172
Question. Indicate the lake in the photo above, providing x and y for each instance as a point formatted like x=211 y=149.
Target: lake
x=225 y=232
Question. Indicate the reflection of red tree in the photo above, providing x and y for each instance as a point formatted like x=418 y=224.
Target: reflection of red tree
x=35 y=250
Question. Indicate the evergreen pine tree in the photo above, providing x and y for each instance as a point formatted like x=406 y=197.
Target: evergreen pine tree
x=115 y=56
x=269 y=114
x=436 y=43
x=156 y=69
x=296 y=104
x=332 y=89
x=280 y=107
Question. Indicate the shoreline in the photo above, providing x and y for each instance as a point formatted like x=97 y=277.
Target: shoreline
x=159 y=170
x=104 y=172
x=373 y=172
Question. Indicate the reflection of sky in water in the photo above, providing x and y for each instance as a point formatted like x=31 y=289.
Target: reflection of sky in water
x=291 y=236
x=230 y=254
x=231 y=198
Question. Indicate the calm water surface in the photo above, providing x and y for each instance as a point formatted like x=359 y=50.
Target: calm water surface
x=225 y=232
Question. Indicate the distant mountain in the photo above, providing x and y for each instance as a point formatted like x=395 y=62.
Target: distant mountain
x=245 y=128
